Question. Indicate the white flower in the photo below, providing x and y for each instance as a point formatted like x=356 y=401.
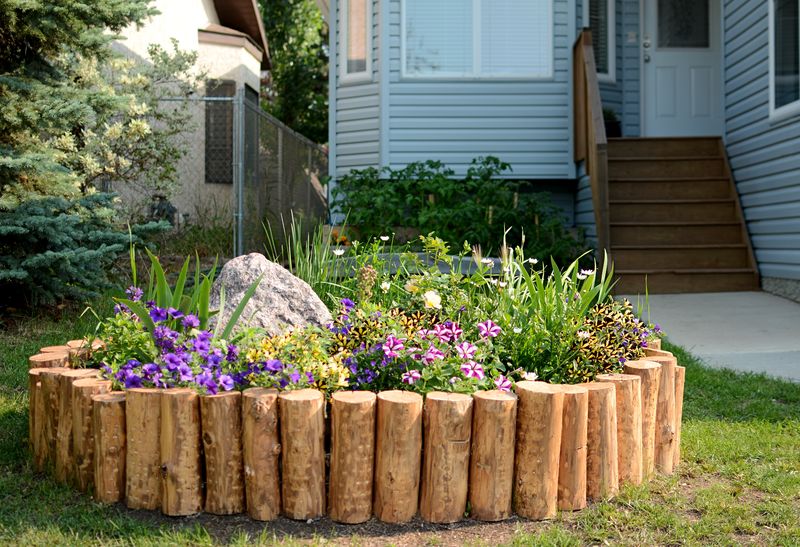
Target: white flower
x=384 y=238
x=531 y=376
x=432 y=300
x=385 y=286
x=517 y=330
x=502 y=284
x=338 y=252
x=487 y=261
x=493 y=281
x=583 y=274
x=533 y=261
x=584 y=334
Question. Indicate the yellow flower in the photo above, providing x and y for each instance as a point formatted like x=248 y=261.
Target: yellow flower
x=432 y=300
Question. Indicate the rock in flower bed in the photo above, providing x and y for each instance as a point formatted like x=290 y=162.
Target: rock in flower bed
x=457 y=416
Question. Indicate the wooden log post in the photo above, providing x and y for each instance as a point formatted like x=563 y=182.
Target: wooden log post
x=629 y=425
x=447 y=426
x=572 y=459
x=50 y=406
x=180 y=452
x=352 y=456
x=302 y=419
x=398 y=454
x=650 y=374
x=64 y=460
x=680 y=381
x=83 y=389
x=654 y=343
x=54 y=349
x=49 y=360
x=656 y=352
x=261 y=449
x=221 y=417
x=602 y=456
x=108 y=423
x=540 y=416
x=143 y=481
x=665 y=414
x=491 y=469
x=72 y=344
x=34 y=408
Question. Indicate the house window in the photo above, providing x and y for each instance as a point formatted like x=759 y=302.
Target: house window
x=219 y=132
x=599 y=16
x=477 y=38
x=784 y=46
x=356 y=35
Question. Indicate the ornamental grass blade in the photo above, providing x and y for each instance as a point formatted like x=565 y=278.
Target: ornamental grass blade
x=177 y=294
x=203 y=298
x=141 y=312
x=240 y=308
x=163 y=294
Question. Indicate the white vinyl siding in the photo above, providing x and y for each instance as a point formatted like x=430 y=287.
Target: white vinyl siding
x=477 y=39
x=784 y=58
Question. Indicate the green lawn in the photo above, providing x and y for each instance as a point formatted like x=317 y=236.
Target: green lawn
x=739 y=482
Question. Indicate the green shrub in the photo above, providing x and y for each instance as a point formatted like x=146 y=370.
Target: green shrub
x=480 y=208
x=54 y=248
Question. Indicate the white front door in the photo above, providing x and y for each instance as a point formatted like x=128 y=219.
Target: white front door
x=682 y=60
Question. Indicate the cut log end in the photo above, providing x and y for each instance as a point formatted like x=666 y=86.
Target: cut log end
x=49 y=360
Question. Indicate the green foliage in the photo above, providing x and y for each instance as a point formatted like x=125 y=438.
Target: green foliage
x=297 y=90
x=55 y=248
x=481 y=208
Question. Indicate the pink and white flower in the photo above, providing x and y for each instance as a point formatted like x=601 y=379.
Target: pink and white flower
x=502 y=383
x=432 y=354
x=471 y=369
x=466 y=350
x=411 y=377
x=393 y=347
x=488 y=329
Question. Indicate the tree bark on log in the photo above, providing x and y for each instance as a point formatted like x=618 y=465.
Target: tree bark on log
x=629 y=425
x=491 y=471
x=447 y=425
x=65 y=460
x=602 y=455
x=680 y=381
x=83 y=389
x=665 y=415
x=650 y=374
x=143 y=417
x=572 y=460
x=49 y=360
x=302 y=419
x=108 y=423
x=50 y=405
x=352 y=456
x=180 y=449
x=222 y=445
x=261 y=449
x=34 y=409
x=540 y=417
x=398 y=456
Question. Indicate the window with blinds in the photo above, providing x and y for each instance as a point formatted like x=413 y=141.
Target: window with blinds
x=601 y=22
x=356 y=35
x=785 y=37
x=477 y=38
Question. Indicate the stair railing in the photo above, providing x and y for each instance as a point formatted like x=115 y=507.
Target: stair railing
x=590 y=132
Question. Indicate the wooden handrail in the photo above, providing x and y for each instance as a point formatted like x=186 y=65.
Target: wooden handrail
x=590 y=133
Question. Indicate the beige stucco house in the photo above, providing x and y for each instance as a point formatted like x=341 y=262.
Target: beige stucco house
x=229 y=37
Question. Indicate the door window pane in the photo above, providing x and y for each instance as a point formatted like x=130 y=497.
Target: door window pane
x=683 y=23
x=598 y=22
x=357 y=36
x=787 y=52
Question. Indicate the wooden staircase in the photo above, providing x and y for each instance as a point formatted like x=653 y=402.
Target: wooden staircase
x=675 y=224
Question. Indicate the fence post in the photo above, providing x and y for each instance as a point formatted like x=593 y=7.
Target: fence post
x=238 y=170
x=280 y=171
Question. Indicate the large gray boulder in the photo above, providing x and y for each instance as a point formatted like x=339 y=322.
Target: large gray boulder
x=281 y=301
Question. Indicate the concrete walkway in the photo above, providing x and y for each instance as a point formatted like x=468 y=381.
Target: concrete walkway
x=748 y=331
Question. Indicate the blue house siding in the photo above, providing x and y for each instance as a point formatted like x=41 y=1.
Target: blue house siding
x=584 y=208
x=764 y=155
x=357 y=110
x=526 y=123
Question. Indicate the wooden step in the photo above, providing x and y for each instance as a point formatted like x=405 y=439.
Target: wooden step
x=664 y=147
x=673 y=210
x=648 y=257
x=675 y=233
x=685 y=281
x=637 y=167
x=669 y=188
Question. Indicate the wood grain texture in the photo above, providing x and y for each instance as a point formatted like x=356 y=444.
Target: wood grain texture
x=49 y=360
x=629 y=425
x=680 y=381
x=50 y=405
x=602 y=471
x=352 y=456
x=650 y=374
x=83 y=389
x=108 y=416
x=143 y=419
x=665 y=415
x=261 y=450
x=491 y=471
x=447 y=426
x=398 y=453
x=64 y=471
x=221 y=417
x=180 y=452
x=572 y=460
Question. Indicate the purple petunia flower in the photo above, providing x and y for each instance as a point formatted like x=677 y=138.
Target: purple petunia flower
x=132 y=380
x=206 y=380
x=151 y=369
x=190 y=322
x=502 y=383
x=174 y=313
x=273 y=365
x=158 y=315
x=432 y=354
x=226 y=382
x=348 y=304
x=471 y=369
x=294 y=377
x=233 y=353
x=310 y=377
x=411 y=377
x=488 y=329
x=185 y=372
x=393 y=347
x=172 y=361
x=134 y=293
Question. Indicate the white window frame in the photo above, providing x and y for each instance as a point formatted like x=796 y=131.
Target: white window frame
x=611 y=76
x=788 y=110
x=476 y=53
x=354 y=77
